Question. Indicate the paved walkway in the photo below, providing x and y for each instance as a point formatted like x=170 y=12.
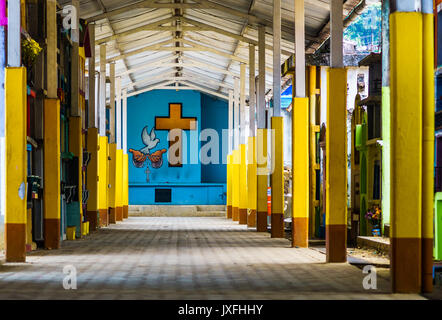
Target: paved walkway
x=186 y=258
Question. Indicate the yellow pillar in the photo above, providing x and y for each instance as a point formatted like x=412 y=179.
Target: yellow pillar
x=16 y=164
x=406 y=150
x=119 y=186
x=336 y=165
x=235 y=184
x=428 y=152
x=51 y=191
x=229 y=186
x=277 y=178
x=92 y=178
x=103 y=201
x=243 y=185
x=301 y=172
x=23 y=13
x=76 y=147
x=112 y=189
x=252 y=183
x=262 y=180
x=126 y=186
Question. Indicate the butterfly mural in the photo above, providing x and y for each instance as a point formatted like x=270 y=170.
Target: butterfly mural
x=140 y=157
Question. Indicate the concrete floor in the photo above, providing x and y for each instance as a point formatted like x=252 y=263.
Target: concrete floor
x=186 y=258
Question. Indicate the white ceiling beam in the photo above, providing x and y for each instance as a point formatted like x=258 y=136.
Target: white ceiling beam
x=155 y=69
x=204 y=77
x=124 y=9
x=148 y=65
x=159 y=47
x=202 y=81
x=197 y=26
x=187 y=86
x=135 y=93
x=179 y=28
x=161 y=63
x=150 y=26
x=146 y=40
x=318 y=4
x=171 y=77
x=239 y=37
x=208 y=27
x=203 y=47
x=173 y=86
x=103 y=8
x=244 y=15
x=206 y=65
x=181 y=87
x=203 y=89
x=199 y=4
x=161 y=76
x=177 y=6
x=154 y=47
x=243 y=30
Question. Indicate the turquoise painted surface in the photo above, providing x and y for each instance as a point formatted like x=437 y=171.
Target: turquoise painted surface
x=191 y=194
x=215 y=116
x=73 y=216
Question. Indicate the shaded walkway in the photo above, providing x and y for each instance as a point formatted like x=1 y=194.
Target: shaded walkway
x=186 y=258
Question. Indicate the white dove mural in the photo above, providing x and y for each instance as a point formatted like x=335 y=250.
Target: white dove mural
x=139 y=157
x=150 y=140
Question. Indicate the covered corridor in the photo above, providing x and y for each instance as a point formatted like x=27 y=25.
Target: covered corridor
x=190 y=258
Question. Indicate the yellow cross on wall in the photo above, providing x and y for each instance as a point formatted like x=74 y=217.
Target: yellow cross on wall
x=176 y=121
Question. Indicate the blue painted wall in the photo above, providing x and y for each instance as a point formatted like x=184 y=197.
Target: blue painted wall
x=182 y=194
x=141 y=112
x=192 y=183
x=439 y=38
x=215 y=115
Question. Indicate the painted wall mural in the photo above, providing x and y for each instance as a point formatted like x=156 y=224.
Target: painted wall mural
x=140 y=157
x=165 y=121
x=170 y=124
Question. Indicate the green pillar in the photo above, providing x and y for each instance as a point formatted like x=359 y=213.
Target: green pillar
x=386 y=172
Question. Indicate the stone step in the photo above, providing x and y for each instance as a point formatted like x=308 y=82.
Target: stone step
x=177 y=211
x=381 y=244
x=208 y=208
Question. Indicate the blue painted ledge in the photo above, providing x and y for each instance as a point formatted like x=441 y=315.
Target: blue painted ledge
x=181 y=193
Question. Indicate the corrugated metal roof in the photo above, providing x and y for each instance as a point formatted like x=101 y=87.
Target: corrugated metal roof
x=210 y=70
